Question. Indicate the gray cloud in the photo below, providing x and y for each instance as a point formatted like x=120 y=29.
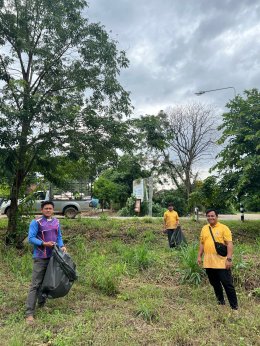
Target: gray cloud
x=179 y=47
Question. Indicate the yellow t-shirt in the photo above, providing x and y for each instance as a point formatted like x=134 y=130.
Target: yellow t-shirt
x=221 y=234
x=170 y=219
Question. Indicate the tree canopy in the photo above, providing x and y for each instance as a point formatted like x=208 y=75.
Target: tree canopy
x=177 y=139
x=59 y=89
x=239 y=161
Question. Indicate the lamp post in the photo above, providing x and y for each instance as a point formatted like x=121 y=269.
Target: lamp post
x=208 y=91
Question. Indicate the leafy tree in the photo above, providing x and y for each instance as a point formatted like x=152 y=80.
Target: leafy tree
x=176 y=196
x=105 y=190
x=59 y=90
x=211 y=193
x=4 y=190
x=126 y=169
x=177 y=139
x=240 y=160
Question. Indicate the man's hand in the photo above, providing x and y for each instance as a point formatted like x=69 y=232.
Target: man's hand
x=164 y=231
x=199 y=260
x=49 y=243
x=63 y=248
x=228 y=264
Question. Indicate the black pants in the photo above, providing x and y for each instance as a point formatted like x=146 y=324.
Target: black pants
x=219 y=278
x=170 y=233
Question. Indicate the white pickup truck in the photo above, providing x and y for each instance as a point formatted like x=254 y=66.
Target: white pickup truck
x=64 y=204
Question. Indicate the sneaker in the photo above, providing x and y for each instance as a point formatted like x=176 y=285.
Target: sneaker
x=30 y=319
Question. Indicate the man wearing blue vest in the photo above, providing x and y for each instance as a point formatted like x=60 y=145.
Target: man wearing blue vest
x=44 y=233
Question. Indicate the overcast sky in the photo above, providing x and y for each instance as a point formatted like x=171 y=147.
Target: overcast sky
x=178 y=47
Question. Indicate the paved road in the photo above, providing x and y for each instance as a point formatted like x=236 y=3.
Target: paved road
x=237 y=217
x=221 y=217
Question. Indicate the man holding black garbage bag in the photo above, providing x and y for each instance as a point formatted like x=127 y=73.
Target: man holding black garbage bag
x=170 y=223
x=44 y=233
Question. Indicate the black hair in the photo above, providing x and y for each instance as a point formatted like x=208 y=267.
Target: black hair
x=47 y=202
x=211 y=209
x=170 y=204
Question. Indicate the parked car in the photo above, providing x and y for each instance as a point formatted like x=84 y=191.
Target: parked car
x=64 y=204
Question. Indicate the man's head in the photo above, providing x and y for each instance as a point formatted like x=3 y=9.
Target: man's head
x=170 y=206
x=212 y=216
x=47 y=208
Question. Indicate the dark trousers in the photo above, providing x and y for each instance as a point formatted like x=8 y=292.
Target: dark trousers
x=219 y=278
x=39 y=269
x=169 y=234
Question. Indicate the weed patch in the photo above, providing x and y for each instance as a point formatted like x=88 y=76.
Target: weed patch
x=133 y=289
x=189 y=270
x=103 y=277
x=147 y=310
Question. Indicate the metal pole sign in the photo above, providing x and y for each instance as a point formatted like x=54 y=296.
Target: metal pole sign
x=138 y=189
x=150 y=200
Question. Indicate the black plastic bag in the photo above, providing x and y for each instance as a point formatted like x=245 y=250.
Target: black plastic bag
x=60 y=275
x=178 y=238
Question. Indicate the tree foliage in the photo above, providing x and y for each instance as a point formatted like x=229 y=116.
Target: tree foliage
x=239 y=161
x=211 y=193
x=177 y=139
x=106 y=191
x=122 y=174
x=59 y=89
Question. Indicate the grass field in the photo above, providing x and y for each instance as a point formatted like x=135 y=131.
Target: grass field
x=133 y=290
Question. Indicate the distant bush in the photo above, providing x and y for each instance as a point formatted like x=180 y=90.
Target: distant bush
x=158 y=210
x=129 y=209
x=177 y=197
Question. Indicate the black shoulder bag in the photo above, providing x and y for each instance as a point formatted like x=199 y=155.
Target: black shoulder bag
x=220 y=248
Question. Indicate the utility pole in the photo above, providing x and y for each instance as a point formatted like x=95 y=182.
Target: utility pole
x=150 y=193
x=242 y=212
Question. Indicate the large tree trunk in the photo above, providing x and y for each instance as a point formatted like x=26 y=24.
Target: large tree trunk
x=14 y=236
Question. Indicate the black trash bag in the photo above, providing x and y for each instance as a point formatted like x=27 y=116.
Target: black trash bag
x=60 y=275
x=178 y=238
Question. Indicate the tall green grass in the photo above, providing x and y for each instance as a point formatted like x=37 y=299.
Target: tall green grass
x=104 y=277
x=147 y=310
x=189 y=270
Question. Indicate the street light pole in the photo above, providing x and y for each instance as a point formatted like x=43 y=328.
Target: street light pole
x=207 y=91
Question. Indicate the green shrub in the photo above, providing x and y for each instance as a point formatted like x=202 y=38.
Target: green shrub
x=132 y=232
x=239 y=269
x=256 y=292
x=189 y=270
x=103 y=217
x=19 y=264
x=103 y=277
x=129 y=209
x=147 y=311
x=158 y=210
x=16 y=341
x=149 y=237
x=147 y=219
x=138 y=258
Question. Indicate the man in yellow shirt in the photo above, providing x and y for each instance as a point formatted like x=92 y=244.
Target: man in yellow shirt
x=218 y=267
x=171 y=221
